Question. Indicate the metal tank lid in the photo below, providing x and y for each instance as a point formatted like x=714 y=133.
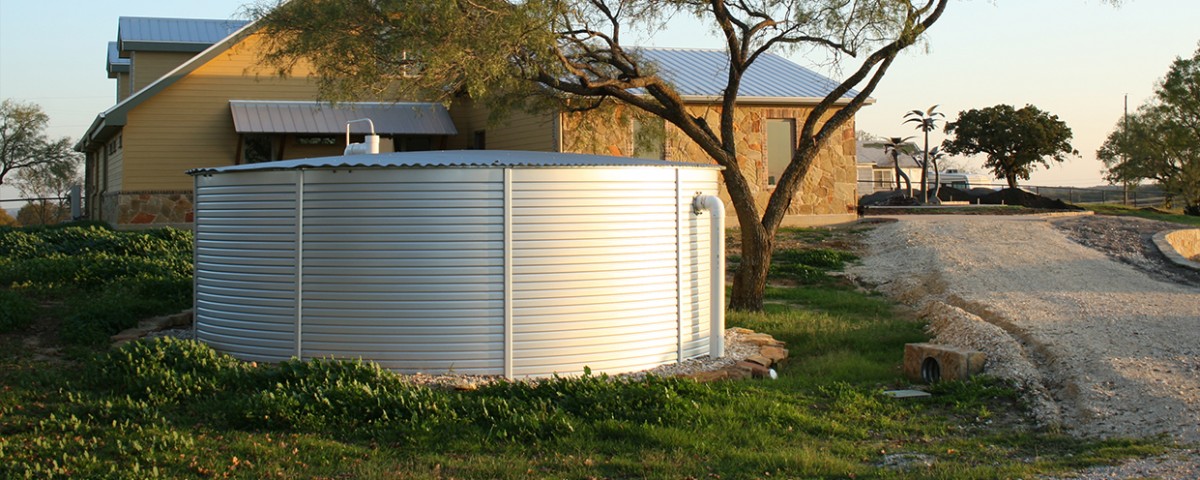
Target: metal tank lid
x=456 y=159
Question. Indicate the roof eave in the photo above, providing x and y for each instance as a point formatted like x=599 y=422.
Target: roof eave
x=770 y=100
x=152 y=46
x=113 y=118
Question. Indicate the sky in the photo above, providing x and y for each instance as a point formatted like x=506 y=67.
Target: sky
x=1076 y=59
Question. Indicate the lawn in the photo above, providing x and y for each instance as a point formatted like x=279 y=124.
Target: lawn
x=1175 y=216
x=177 y=409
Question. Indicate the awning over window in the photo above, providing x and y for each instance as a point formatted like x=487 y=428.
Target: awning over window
x=323 y=118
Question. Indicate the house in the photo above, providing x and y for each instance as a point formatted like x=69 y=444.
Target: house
x=877 y=169
x=191 y=94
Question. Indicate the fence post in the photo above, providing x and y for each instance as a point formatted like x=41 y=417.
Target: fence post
x=76 y=198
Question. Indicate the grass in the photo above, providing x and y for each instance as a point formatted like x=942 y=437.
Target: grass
x=176 y=409
x=1122 y=210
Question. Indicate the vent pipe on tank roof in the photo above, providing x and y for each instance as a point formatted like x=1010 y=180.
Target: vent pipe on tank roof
x=370 y=145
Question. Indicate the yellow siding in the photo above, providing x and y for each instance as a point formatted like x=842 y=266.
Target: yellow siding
x=123 y=84
x=519 y=130
x=146 y=67
x=189 y=125
x=114 y=168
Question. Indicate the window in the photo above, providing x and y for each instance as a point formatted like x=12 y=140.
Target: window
x=781 y=142
x=260 y=148
x=649 y=138
x=883 y=179
x=479 y=141
x=317 y=140
x=415 y=143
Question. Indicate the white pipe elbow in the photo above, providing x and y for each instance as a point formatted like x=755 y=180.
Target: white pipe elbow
x=716 y=335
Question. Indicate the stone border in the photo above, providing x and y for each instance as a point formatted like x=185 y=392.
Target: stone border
x=152 y=325
x=1169 y=249
x=758 y=365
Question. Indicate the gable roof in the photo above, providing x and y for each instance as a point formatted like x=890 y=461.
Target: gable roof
x=700 y=74
x=697 y=72
x=172 y=34
x=875 y=155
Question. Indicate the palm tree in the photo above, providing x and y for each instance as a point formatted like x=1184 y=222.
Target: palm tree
x=926 y=122
x=936 y=154
x=895 y=146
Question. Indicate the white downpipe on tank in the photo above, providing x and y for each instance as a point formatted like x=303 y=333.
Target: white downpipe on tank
x=370 y=143
x=716 y=331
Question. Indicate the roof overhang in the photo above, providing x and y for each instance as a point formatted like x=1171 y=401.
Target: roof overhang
x=152 y=46
x=110 y=121
x=321 y=118
x=770 y=100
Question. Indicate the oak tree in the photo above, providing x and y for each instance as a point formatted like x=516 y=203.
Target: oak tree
x=574 y=55
x=1161 y=141
x=23 y=141
x=1015 y=141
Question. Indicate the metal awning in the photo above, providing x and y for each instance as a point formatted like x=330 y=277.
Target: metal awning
x=317 y=118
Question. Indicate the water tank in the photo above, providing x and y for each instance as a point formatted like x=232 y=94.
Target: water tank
x=522 y=264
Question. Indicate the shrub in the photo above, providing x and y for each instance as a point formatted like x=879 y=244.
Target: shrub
x=16 y=311
x=653 y=400
x=343 y=396
x=92 y=319
x=166 y=370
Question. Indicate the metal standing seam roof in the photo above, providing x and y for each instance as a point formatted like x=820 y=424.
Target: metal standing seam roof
x=704 y=72
x=116 y=64
x=457 y=159
x=173 y=34
x=405 y=118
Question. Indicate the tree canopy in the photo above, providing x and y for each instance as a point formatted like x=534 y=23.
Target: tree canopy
x=1161 y=141
x=1015 y=141
x=23 y=141
x=573 y=55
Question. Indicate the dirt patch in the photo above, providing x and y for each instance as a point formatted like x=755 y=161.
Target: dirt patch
x=1016 y=196
x=1128 y=240
x=1118 y=351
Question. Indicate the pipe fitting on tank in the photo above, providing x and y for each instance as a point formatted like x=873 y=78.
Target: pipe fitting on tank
x=716 y=332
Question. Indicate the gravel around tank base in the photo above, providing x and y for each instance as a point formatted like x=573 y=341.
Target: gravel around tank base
x=1102 y=347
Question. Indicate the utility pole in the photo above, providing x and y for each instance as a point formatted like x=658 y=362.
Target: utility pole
x=1125 y=133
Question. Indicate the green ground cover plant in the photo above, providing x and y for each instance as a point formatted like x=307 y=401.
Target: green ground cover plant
x=99 y=281
x=169 y=408
x=1176 y=216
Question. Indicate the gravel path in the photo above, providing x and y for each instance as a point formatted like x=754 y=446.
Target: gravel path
x=1104 y=349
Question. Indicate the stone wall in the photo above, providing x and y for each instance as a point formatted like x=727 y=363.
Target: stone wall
x=147 y=208
x=830 y=189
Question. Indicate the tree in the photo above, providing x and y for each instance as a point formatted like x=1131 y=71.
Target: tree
x=572 y=54
x=894 y=146
x=1015 y=141
x=23 y=142
x=926 y=122
x=7 y=220
x=49 y=183
x=1161 y=141
x=42 y=213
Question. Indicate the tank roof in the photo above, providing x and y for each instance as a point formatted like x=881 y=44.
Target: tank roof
x=456 y=159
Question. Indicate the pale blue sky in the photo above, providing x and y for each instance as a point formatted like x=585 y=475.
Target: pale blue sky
x=1074 y=58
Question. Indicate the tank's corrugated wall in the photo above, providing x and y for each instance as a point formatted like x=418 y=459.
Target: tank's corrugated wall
x=405 y=268
x=245 y=264
x=596 y=270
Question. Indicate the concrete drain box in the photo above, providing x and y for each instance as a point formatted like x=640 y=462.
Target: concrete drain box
x=929 y=363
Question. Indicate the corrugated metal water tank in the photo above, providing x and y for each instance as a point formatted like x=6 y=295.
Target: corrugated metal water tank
x=472 y=262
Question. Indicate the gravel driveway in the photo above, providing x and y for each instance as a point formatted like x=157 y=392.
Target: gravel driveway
x=1103 y=348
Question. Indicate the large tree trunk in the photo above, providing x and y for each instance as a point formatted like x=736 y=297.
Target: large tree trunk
x=750 y=280
x=937 y=183
x=1012 y=180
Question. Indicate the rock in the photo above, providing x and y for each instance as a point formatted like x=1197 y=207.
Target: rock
x=775 y=354
x=740 y=330
x=709 y=376
x=760 y=360
x=762 y=339
x=755 y=370
x=735 y=372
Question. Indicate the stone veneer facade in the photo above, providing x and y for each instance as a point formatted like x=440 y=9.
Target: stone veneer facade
x=827 y=195
x=147 y=208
